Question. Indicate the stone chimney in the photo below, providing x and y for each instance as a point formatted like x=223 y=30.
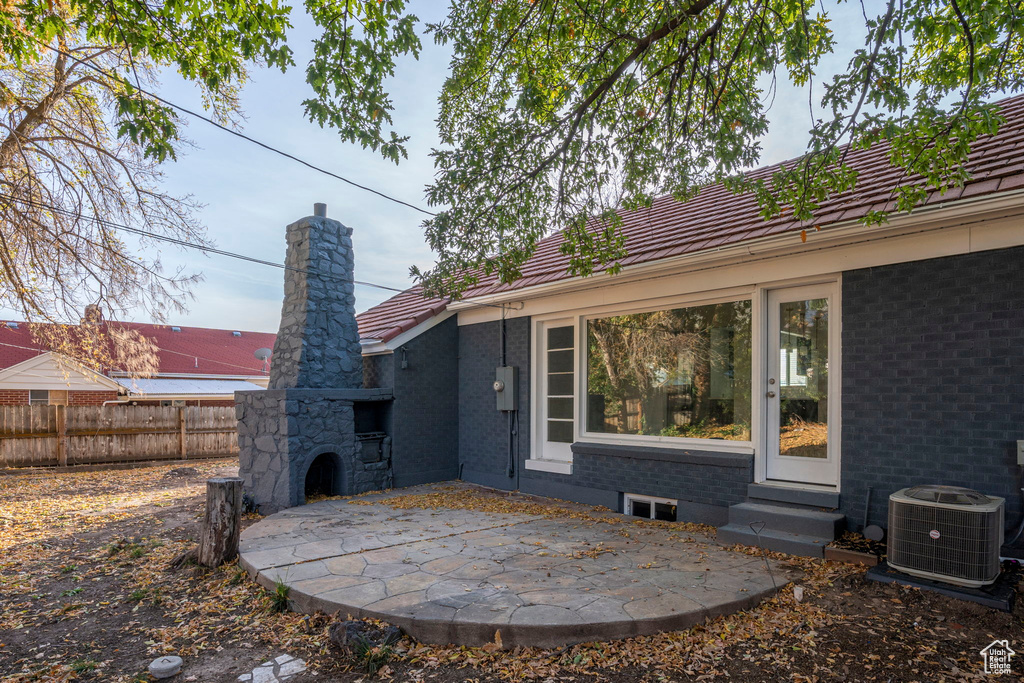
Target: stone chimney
x=317 y=346
x=299 y=435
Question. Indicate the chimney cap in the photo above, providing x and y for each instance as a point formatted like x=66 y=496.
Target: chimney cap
x=320 y=209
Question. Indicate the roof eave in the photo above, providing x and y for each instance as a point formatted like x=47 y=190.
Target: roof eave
x=376 y=347
x=783 y=243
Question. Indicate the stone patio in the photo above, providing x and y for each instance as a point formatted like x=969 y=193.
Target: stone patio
x=459 y=576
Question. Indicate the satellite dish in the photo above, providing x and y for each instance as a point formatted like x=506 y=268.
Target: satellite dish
x=262 y=355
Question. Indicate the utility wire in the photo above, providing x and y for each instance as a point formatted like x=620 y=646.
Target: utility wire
x=210 y=360
x=42 y=350
x=236 y=133
x=191 y=245
x=210 y=250
x=206 y=249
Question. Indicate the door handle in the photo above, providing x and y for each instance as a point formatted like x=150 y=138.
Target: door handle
x=770 y=394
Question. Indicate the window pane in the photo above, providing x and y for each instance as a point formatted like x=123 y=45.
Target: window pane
x=560 y=385
x=803 y=378
x=560 y=361
x=640 y=508
x=560 y=432
x=560 y=337
x=683 y=372
x=560 y=408
x=665 y=512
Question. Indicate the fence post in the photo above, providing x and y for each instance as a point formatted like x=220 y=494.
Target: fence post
x=62 y=436
x=182 y=437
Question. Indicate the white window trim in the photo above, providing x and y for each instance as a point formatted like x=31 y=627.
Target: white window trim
x=757 y=293
x=678 y=442
x=627 y=500
x=538 y=408
x=553 y=466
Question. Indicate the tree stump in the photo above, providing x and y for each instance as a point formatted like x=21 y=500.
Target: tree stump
x=218 y=537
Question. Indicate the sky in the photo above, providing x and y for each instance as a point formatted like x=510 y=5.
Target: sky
x=250 y=194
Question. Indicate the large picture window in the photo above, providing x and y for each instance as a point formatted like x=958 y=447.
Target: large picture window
x=683 y=372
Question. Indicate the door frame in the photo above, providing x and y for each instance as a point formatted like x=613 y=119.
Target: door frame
x=559 y=453
x=763 y=364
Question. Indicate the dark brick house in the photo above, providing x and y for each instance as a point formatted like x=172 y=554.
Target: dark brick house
x=736 y=366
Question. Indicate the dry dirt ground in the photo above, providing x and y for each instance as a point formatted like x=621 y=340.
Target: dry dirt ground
x=86 y=595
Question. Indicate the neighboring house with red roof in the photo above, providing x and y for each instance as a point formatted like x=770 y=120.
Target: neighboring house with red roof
x=736 y=370
x=196 y=366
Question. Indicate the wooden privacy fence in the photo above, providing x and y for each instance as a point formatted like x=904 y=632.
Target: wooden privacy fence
x=36 y=436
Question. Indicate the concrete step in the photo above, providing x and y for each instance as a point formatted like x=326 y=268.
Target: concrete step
x=780 y=541
x=801 y=521
x=760 y=493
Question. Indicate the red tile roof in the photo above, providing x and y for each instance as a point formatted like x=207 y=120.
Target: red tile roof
x=193 y=350
x=717 y=218
x=399 y=313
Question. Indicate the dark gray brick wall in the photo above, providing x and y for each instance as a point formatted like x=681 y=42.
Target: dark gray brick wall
x=379 y=371
x=933 y=378
x=693 y=476
x=425 y=412
x=705 y=484
x=483 y=429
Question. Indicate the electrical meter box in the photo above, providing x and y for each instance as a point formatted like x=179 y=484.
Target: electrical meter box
x=505 y=387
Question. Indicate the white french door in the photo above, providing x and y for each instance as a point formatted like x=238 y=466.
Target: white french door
x=801 y=394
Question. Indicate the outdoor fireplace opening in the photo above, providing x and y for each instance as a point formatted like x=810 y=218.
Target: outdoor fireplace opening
x=325 y=476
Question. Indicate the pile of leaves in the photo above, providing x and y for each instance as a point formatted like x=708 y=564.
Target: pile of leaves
x=854 y=541
x=90 y=597
x=492 y=501
x=87 y=588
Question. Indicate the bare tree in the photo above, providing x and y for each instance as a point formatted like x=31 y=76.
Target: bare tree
x=67 y=180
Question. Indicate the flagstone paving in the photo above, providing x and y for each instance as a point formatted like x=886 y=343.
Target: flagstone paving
x=458 y=576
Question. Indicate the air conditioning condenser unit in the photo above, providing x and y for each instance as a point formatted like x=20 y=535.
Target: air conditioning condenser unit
x=946 y=533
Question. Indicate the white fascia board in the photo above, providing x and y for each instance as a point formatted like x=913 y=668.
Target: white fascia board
x=376 y=347
x=789 y=242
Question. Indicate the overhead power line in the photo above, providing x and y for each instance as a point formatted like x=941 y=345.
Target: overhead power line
x=243 y=136
x=42 y=350
x=190 y=245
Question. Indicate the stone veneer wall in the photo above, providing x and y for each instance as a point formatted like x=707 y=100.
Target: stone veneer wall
x=933 y=379
x=317 y=345
x=316 y=379
x=306 y=423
